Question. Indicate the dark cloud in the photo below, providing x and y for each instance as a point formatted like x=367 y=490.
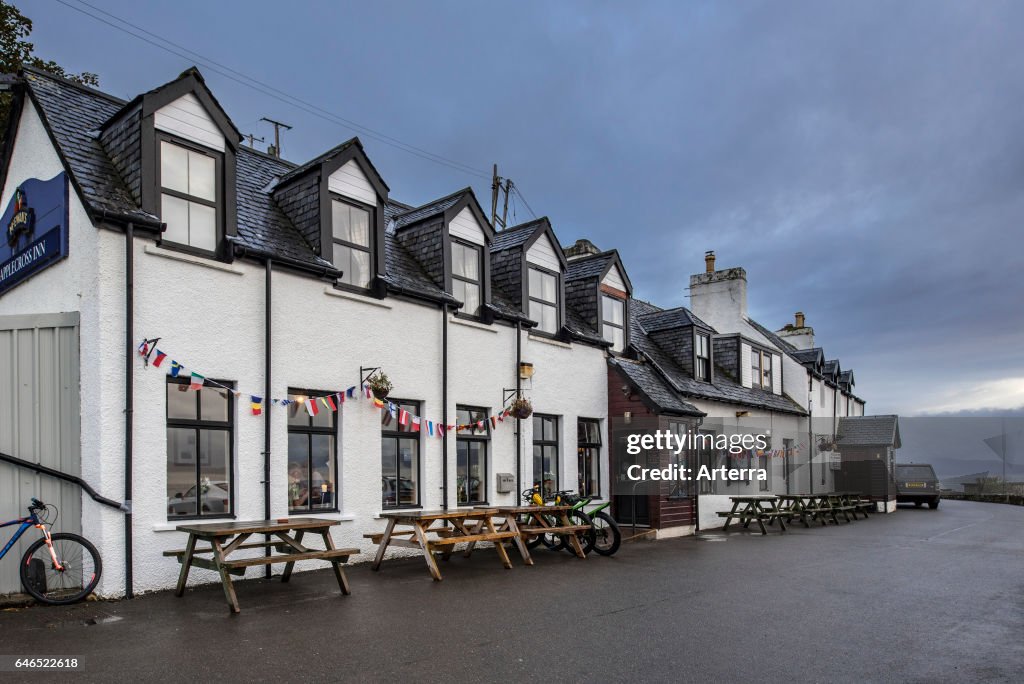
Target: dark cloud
x=863 y=161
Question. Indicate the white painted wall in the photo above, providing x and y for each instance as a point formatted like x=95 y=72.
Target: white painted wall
x=350 y=181
x=187 y=118
x=465 y=227
x=543 y=254
x=614 y=279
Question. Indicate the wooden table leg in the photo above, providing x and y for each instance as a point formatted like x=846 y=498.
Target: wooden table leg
x=728 y=518
x=498 y=546
x=574 y=541
x=518 y=540
x=186 y=565
x=339 y=572
x=383 y=544
x=288 y=567
x=225 y=577
x=428 y=554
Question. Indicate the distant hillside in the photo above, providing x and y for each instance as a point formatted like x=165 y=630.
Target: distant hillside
x=956 y=446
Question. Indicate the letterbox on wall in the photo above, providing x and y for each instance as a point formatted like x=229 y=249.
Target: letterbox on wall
x=505 y=482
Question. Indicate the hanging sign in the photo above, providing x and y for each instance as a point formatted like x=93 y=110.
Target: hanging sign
x=35 y=230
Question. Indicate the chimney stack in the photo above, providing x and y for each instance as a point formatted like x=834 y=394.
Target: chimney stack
x=798 y=333
x=799 y=319
x=709 y=261
x=581 y=248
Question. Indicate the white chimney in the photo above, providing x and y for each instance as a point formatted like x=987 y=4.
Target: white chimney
x=798 y=333
x=719 y=298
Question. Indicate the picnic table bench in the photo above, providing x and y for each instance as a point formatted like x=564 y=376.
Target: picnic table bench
x=534 y=520
x=224 y=539
x=429 y=534
x=747 y=509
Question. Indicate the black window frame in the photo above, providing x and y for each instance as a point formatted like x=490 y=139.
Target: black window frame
x=623 y=327
x=701 y=364
x=473 y=436
x=370 y=251
x=310 y=430
x=556 y=443
x=557 y=303
x=200 y=424
x=398 y=434
x=218 y=205
x=479 y=283
x=580 y=447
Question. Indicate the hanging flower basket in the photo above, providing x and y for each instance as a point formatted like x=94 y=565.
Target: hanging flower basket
x=521 y=408
x=380 y=385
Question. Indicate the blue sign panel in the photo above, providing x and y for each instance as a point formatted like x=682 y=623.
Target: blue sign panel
x=34 y=230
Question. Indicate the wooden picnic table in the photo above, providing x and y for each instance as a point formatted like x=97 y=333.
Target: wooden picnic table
x=226 y=538
x=428 y=532
x=533 y=521
x=749 y=508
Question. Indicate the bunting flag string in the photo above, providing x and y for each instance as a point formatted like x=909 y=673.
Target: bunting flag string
x=314 y=404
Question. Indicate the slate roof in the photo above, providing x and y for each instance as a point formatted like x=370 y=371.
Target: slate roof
x=723 y=389
x=515 y=236
x=668 y=319
x=786 y=347
x=649 y=383
x=831 y=366
x=429 y=210
x=807 y=355
x=869 y=431
x=589 y=266
x=317 y=161
x=74 y=114
x=846 y=376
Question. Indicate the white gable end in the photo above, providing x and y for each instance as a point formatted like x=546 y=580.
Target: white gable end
x=615 y=279
x=466 y=227
x=187 y=118
x=350 y=181
x=543 y=254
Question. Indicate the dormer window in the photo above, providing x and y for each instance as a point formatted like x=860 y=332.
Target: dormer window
x=702 y=354
x=760 y=369
x=544 y=300
x=350 y=228
x=613 y=322
x=466 y=278
x=190 y=191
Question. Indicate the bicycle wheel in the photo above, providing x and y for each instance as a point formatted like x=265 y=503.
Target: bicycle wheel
x=586 y=537
x=552 y=542
x=80 y=569
x=607 y=533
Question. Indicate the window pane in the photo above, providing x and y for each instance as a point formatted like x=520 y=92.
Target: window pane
x=174 y=212
x=297 y=414
x=214 y=483
x=612 y=310
x=181 y=472
x=173 y=167
x=470 y=470
x=616 y=337
x=389 y=471
x=321 y=493
x=354 y=264
x=408 y=469
x=202 y=176
x=298 y=470
x=465 y=261
x=543 y=286
x=546 y=317
x=181 y=403
x=202 y=226
x=350 y=223
x=213 y=404
x=469 y=295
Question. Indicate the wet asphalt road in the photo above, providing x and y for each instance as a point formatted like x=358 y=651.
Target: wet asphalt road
x=918 y=595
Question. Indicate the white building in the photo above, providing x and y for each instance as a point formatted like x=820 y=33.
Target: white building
x=281 y=285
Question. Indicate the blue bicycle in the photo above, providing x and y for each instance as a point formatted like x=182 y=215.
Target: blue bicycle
x=60 y=568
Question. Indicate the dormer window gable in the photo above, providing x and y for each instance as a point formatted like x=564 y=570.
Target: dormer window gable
x=187 y=146
x=615 y=291
x=468 y=237
x=543 y=280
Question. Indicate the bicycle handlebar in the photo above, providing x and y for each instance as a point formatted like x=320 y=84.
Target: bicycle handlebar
x=35 y=504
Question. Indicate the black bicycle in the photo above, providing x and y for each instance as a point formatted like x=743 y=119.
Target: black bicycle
x=59 y=568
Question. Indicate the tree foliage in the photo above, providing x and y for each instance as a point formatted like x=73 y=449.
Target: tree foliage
x=16 y=51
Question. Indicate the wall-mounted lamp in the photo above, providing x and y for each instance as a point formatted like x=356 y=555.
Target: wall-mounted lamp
x=742 y=414
x=627 y=417
x=525 y=370
x=625 y=391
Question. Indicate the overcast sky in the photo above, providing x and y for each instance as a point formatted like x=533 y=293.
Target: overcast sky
x=864 y=162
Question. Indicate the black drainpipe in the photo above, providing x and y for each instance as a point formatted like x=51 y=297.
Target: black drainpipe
x=810 y=429
x=266 y=404
x=129 y=394
x=519 y=436
x=444 y=403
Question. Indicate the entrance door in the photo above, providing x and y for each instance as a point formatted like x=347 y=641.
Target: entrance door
x=39 y=422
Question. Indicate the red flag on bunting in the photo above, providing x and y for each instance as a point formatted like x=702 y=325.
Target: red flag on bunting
x=329 y=403
x=311 y=408
x=403 y=417
x=160 y=356
x=416 y=423
x=494 y=422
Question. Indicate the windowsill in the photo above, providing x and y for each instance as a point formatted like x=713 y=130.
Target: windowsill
x=470 y=323
x=549 y=340
x=192 y=259
x=355 y=297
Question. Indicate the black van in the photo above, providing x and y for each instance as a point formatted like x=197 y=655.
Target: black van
x=916 y=483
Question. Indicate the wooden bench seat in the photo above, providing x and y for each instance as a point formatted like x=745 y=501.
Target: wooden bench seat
x=487 y=536
x=279 y=546
x=564 y=529
x=328 y=554
x=375 y=537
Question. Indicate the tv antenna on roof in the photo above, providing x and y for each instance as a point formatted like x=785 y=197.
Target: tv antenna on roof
x=276 y=149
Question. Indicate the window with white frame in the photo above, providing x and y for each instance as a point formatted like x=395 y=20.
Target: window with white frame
x=613 y=321
x=760 y=369
x=353 y=240
x=543 y=291
x=467 y=274
x=190 y=196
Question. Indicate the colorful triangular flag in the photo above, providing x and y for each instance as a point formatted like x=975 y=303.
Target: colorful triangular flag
x=311 y=408
x=160 y=356
x=256 y=404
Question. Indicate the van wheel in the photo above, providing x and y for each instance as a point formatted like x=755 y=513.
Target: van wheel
x=933 y=504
